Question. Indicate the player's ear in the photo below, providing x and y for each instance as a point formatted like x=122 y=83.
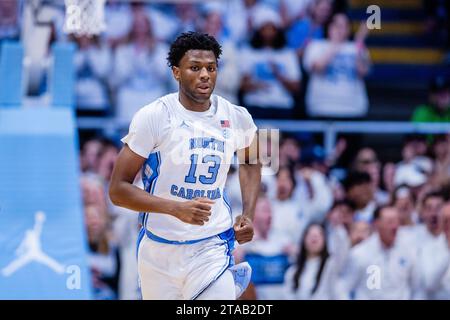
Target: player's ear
x=176 y=73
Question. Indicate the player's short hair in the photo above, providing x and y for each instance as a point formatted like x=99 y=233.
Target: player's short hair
x=192 y=41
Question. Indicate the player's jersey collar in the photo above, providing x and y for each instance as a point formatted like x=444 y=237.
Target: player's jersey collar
x=211 y=112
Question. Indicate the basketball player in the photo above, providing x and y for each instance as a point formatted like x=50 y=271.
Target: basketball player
x=184 y=143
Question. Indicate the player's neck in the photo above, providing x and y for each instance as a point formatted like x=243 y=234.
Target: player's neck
x=192 y=105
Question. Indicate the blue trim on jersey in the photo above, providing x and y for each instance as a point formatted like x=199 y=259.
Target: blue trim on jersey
x=139 y=239
x=145 y=221
x=228 y=240
x=158 y=159
x=154 y=162
x=227 y=235
x=154 y=237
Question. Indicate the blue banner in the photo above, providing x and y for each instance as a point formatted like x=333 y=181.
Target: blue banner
x=267 y=269
x=43 y=247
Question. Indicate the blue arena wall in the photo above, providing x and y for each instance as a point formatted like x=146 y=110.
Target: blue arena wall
x=39 y=173
x=43 y=245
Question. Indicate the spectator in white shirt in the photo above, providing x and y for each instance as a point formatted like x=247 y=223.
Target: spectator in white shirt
x=427 y=233
x=337 y=67
x=366 y=160
x=341 y=213
x=313 y=194
x=287 y=223
x=404 y=200
x=141 y=74
x=271 y=72
x=414 y=169
x=93 y=64
x=90 y=155
x=359 y=231
x=359 y=190
x=382 y=267
x=295 y=206
x=419 y=146
x=441 y=158
x=126 y=229
x=229 y=79
x=316 y=271
x=103 y=256
x=289 y=154
x=429 y=229
x=118 y=19
x=388 y=175
x=107 y=157
x=435 y=261
x=432 y=202
x=265 y=254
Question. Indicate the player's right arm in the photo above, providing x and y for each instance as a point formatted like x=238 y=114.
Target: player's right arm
x=124 y=194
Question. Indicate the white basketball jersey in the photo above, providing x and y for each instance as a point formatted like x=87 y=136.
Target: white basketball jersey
x=188 y=155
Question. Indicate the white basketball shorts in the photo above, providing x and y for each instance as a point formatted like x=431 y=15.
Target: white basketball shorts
x=174 y=271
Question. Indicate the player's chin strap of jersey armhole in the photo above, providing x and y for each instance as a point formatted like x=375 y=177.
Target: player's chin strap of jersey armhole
x=229 y=263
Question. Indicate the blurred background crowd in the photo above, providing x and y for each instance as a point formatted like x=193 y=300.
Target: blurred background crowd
x=316 y=236
x=303 y=59
x=369 y=220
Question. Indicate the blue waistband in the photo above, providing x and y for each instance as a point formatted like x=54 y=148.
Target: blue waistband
x=226 y=235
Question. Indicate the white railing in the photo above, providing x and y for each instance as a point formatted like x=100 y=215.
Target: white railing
x=331 y=129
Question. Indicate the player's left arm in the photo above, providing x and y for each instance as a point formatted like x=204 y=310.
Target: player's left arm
x=250 y=179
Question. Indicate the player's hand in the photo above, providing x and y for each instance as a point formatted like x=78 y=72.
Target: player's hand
x=243 y=229
x=196 y=211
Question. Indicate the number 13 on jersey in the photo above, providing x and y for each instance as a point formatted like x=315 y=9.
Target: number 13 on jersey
x=213 y=169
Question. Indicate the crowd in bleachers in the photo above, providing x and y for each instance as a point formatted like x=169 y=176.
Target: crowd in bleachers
x=379 y=233
x=281 y=58
x=380 y=230
x=325 y=227
x=112 y=231
x=270 y=50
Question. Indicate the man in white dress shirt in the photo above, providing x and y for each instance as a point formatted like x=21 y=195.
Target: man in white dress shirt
x=435 y=262
x=428 y=231
x=382 y=267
